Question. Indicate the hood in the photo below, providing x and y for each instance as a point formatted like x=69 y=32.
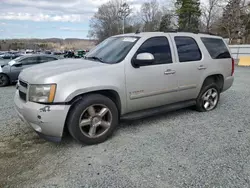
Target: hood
x=39 y=73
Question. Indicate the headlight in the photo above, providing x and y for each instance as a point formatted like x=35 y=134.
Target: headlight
x=42 y=93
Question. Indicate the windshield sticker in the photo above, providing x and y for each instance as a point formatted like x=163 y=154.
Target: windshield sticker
x=129 y=39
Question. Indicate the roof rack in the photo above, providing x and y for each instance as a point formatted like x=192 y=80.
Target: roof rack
x=208 y=33
x=177 y=30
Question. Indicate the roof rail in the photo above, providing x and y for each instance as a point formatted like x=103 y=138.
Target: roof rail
x=177 y=30
x=171 y=31
x=208 y=33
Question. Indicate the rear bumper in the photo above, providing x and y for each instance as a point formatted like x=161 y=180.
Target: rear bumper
x=48 y=123
x=228 y=82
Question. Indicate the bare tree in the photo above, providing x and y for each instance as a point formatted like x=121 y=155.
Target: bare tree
x=245 y=22
x=233 y=20
x=105 y=21
x=210 y=11
x=151 y=15
x=123 y=13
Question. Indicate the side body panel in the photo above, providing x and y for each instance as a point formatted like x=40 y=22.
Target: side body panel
x=109 y=77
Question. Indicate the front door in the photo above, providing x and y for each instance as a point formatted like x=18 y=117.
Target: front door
x=152 y=85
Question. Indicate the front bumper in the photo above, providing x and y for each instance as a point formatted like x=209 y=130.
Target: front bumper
x=47 y=120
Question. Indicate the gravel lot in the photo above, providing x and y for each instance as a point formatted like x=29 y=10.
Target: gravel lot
x=180 y=149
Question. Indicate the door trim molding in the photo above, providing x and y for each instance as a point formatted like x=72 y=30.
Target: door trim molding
x=152 y=93
x=141 y=94
x=186 y=87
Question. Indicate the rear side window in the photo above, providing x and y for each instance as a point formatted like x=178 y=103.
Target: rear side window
x=216 y=48
x=187 y=48
x=159 y=47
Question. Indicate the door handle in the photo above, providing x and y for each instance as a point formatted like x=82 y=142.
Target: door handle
x=169 y=71
x=202 y=67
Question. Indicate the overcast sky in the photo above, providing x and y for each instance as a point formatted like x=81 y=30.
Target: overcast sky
x=49 y=18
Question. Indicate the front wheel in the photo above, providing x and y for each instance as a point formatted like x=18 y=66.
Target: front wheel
x=4 y=80
x=208 y=98
x=93 y=119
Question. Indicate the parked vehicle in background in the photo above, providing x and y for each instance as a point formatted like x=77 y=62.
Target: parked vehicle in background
x=81 y=53
x=10 y=55
x=69 y=54
x=28 y=51
x=9 y=72
x=1 y=53
x=47 y=52
x=125 y=77
x=57 y=53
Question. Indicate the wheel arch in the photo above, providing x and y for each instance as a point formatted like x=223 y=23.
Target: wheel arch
x=110 y=93
x=214 y=78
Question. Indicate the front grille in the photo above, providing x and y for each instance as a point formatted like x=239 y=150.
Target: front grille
x=22 y=95
x=23 y=84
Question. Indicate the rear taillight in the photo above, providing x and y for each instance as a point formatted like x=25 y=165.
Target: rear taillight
x=232 y=73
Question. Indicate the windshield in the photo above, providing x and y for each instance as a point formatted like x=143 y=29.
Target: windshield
x=112 y=50
x=12 y=62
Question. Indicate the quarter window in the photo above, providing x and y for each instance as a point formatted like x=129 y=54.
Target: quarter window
x=216 y=48
x=159 y=47
x=187 y=48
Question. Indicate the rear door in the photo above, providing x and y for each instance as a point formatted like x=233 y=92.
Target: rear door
x=191 y=65
x=22 y=64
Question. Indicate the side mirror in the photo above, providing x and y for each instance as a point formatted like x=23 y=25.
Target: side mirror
x=18 y=65
x=143 y=59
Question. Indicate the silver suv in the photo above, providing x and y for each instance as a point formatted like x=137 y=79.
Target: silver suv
x=125 y=77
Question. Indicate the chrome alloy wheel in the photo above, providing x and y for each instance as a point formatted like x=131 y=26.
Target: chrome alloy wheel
x=95 y=120
x=210 y=99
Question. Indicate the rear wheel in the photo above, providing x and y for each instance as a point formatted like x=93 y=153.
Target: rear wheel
x=4 y=80
x=93 y=119
x=208 y=98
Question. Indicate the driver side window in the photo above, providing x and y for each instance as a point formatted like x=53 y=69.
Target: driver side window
x=159 y=47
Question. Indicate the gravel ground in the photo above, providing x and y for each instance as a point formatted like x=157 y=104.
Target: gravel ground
x=180 y=149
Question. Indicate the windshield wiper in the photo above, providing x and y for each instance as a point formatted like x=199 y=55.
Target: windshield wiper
x=96 y=58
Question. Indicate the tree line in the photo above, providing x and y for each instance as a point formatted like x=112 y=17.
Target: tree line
x=227 y=18
x=46 y=44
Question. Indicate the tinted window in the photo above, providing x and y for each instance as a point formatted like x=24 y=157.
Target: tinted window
x=216 y=48
x=159 y=47
x=29 y=61
x=46 y=59
x=188 y=49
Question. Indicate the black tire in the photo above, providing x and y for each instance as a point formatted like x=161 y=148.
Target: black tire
x=81 y=106
x=4 y=80
x=200 y=102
